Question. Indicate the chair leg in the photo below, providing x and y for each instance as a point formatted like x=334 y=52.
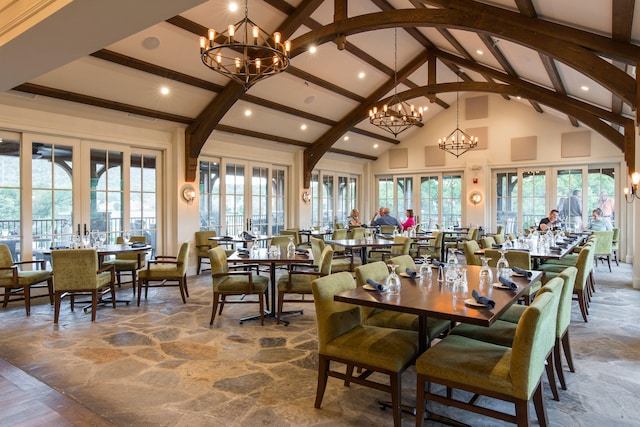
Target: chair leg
x=94 y=304
x=396 y=398
x=139 y=289
x=50 y=288
x=541 y=410
x=134 y=281
x=615 y=258
x=551 y=377
x=557 y=361
x=216 y=296
x=56 y=307
x=522 y=411
x=199 y=265
x=186 y=288
x=582 y=303
x=27 y=299
x=113 y=295
x=323 y=375
x=6 y=297
x=181 y=286
x=609 y=261
x=280 y=305
x=420 y=403
x=261 y=302
x=567 y=350
x=222 y=301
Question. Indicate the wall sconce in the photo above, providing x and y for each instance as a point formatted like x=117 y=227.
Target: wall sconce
x=630 y=194
x=306 y=196
x=475 y=197
x=188 y=193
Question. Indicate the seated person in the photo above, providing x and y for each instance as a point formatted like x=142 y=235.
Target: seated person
x=354 y=218
x=599 y=222
x=551 y=222
x=386 y=219
x=410 y=222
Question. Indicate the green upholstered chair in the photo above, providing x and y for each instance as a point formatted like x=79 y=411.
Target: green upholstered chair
x=282 y=242
x=604 y=246
x=18 y=282
x=298 y=281
x=499 y=238
x=76 y=272
x=515 y=258
x=383 y=254
x=355 y=233
x=295 y=234
x=338 y=262
x=166 y=270
x=344 y=339
x=339 y=234
x=379 y=271
x=128 y=262
x=388 y=229
x=402 y=262
x=229 y=283
x=615 y=245
x=487 y=242
x=470 y=249
x=203 y=244
x=432 y=248
x=512 y=374
x=502 y=332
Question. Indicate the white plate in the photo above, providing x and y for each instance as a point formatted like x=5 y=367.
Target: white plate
x=473 y=303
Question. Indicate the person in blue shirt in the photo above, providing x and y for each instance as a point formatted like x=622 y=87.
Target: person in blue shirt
x=599 y=222
x=386 y=219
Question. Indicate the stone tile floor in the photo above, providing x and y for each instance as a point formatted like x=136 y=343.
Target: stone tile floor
x=161 y=364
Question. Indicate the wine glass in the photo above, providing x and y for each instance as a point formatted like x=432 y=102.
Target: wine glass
x=100 y=238
x=126 y=236
x=486 y=275
x=76 y=241
x=86 y=240
x=393 y=281
x=503 y=265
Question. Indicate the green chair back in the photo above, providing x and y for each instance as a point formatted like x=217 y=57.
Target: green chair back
x=325 y=261
x=486 y=242
x=6 y=260
x=75 y=269
x=498 y=238
x=616 y=239
x=387 y=229
x=533 y=340
x=402 y=262
x=604 y=242
x=130 y=256
x=219 y=264
x=470 y=248
x=203 y=244
x=294 y=233
x=333 y=318
x=564 y=308
x=282 y=242
x=401 y=250
x=317 y=246
x=520 y=259
x=356 y=233
x=584 y=264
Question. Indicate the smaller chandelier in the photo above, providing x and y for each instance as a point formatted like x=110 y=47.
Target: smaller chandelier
x=248 y=53
x=458 y=142
x=396 y=116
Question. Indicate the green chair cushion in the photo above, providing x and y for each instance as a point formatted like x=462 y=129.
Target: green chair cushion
x=500 y=333
x=26 y=278
x=236 y=284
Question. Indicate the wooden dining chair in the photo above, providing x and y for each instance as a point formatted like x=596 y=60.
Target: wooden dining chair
x=76 y=272
x=512 y=374
x=19 y=282
x=128 y=262
x=343 y=339
x=338 y=262
x=164 y=271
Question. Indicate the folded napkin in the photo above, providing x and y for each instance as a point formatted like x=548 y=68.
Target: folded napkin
x=496 y=246
x=226 y=237
x=138 y=245
x=555 y=248
x=508 y=283
x=302 y=252
x=522 y=271
x=59 y=247
x=243 y=252
x=411 y=273
x=437 y=263
x=561 y=244
x=376 y=285
x=522 y=249
x=247 y=236
x=482 y=299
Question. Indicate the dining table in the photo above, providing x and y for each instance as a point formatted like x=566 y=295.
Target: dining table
x=243 y=240
x=265 y=257
x=364 y=244
x=430 y=298
x=320 y=234
x=539 y=255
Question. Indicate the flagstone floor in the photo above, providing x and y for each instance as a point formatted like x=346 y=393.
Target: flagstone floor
x=161 y=364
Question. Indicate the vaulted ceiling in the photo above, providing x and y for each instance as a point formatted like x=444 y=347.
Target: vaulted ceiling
x=573 y=58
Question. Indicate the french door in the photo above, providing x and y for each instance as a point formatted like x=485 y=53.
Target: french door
x=77 y=186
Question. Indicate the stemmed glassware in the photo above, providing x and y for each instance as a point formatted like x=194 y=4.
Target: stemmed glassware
x=86 y=240
x=486 y=275
x=425 y=269
x=100 y=238
x=76 y=241
x=503 y=265
x=393 y=281
x=126 y=236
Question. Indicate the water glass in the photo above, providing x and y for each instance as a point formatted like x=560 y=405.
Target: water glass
x=126 y=236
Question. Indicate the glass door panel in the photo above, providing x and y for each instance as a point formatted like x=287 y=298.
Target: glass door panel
x=507 y=200
x=569 y=197
x=278 y=199
x=259 y=220
x=234 y=198
x=10 y=201
x=106 y=193
x=141 y=215
x=429 y=202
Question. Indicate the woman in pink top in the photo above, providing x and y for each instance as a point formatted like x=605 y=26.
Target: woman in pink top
x=410 y=222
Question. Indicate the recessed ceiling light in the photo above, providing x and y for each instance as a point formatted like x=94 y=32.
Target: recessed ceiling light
x=313 y=49
x=584 y=88
x=303 y=126
x=164 y=90
x=479 y=52
x=151 y=43
x=361 y=75
x=233 y=6
x=518 y=97
x=309 y=99
x=375 y=145
x=247 y=112
x=346 y=138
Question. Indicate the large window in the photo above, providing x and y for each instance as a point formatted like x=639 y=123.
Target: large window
x=332 y=201
x=429 y=201
x=143 y=195
x=210 y=196
x=569 y=197
x=507 y=200
x=451 y=200
x=534 y=194
x=601 y=187
x=10 y=226
x=405 y=196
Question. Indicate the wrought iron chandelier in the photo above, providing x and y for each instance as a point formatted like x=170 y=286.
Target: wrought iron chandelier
x=458 y=142
x=397 y=115
x=247 y=53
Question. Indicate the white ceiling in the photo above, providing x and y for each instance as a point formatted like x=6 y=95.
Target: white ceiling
x=55 y=53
